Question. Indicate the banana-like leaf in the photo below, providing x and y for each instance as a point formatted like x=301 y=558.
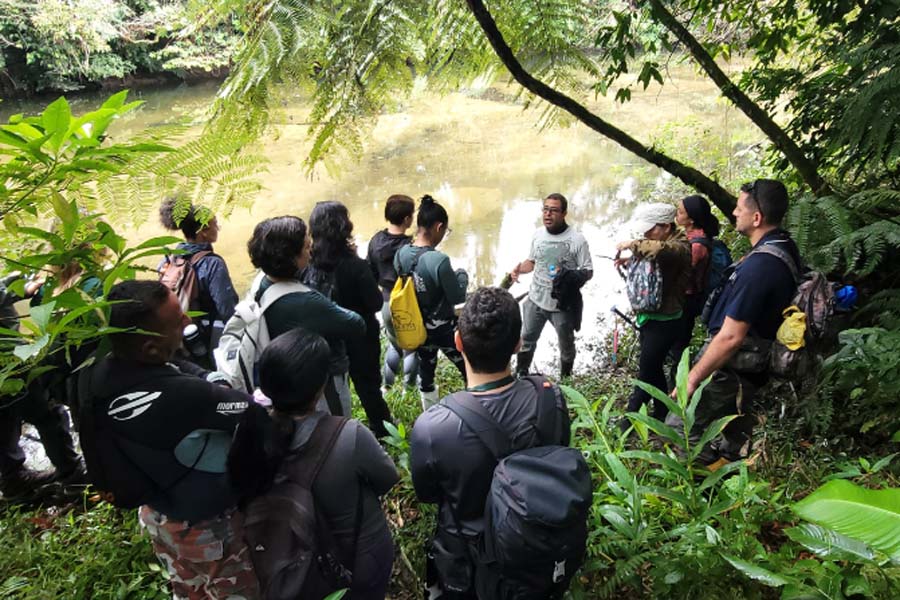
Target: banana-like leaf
x=756 y=572
x=870 y=516
x=829 y=544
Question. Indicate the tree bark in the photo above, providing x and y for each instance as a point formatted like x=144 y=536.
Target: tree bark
x=805 y=167
x=721 y=197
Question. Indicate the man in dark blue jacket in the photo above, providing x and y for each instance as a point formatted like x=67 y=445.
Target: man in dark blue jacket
x=743 y=322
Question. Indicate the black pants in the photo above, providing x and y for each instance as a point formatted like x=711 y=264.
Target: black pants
x=693 y=306
x=51 y=422
x=365 y=372
x=657 y=339
x=438 y=339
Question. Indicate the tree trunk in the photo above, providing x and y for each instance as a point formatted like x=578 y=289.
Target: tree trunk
x=805 y=167
x=690 y=176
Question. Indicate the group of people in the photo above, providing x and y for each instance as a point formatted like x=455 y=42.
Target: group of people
x=166 y=434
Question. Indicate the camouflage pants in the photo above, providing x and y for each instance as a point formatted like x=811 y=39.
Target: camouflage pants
x=207 y=559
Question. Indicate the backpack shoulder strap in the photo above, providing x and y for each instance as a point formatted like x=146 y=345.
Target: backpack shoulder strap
x=415 y=261
x=773 y=249
x=547 y=406
x=702 y=239
x=470 y=411
x=275 y=292
x=198 y=256
x=305 y=467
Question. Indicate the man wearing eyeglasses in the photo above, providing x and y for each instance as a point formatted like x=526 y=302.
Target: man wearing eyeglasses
x=558 y=253
x=744 y=317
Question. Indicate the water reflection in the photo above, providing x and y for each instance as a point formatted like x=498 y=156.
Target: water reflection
x=481 y=157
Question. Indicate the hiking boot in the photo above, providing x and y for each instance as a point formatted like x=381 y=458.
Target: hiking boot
x=77 y=477
x=429 y=399
x=24 y=481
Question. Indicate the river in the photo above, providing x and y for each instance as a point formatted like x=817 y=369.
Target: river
x=485 y=160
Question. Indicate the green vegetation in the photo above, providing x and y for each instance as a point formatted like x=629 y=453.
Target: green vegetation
x=54 y=45
x=812 y=514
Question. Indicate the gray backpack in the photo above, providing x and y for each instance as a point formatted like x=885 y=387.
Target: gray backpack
x=291 y=547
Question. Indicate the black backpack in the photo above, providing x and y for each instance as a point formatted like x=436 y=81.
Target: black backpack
x=536 y=511
x=293 y=552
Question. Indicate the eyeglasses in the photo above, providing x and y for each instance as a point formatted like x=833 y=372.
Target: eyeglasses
x=751 y=191
x=447 y=233
x=551 y=210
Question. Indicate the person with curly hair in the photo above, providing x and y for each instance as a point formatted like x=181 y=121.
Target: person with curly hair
x=340 y=274
x=216 y=296
x=438 y=289
x=280 y=248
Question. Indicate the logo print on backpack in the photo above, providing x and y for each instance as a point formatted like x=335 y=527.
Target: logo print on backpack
x=131 y=405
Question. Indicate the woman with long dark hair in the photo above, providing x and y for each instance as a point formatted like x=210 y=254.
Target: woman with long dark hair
x=280 y=247
x=215 y=294
x=293 y=371
x=438 y=289
x=341 y=275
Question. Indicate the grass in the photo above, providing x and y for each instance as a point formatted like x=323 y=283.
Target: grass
x=96 y=551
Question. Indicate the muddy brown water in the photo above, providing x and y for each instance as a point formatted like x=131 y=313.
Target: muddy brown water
x=479 y=154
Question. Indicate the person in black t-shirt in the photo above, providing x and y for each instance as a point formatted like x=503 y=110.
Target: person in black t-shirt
x=398 y=212
x=743 y=324
x=450 y=466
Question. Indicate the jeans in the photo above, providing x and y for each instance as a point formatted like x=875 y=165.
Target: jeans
x=656 y=339
x=337 y=396
x=365 y=372
x=438 y=339
x=533 y=320
x=728 y=393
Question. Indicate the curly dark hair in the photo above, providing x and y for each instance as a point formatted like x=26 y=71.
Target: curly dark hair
x=330 y=227
x=190 y=224
x=275 y=245
x=490 y=327
x=430 y=212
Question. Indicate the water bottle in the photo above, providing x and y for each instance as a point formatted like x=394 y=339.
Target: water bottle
x=507 y=282
x=193 y=341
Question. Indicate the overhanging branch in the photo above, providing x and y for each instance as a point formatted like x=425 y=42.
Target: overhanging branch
x=689 y=175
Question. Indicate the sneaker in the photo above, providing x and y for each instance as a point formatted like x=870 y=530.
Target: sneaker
x=24 y=481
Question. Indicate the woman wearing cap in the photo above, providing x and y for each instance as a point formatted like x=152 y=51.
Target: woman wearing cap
x=701 y=228
x=664 y=243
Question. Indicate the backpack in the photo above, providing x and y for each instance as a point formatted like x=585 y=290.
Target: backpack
x=406 y=317
x=291 y=547
x=812 y=305
x=719 y=261
x=179 y=275
x=644 y=284
x=536 y=511
x=246 y=335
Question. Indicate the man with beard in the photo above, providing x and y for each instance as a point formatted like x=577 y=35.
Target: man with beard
x=559 y=255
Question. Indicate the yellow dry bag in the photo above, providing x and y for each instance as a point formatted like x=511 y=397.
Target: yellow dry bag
x=405 y=314
x=792 y=331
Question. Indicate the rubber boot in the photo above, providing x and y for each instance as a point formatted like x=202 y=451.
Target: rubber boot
x=523 y=362
x=565 y=368
x=429 y=399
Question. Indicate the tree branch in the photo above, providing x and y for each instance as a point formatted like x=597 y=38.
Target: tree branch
x=690 y=176
x=805 y=167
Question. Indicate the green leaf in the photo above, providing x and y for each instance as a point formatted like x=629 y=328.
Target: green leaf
x=55 y=121
x=714 y=429
x=26 y=351
x=870 y=516
x=164 y=240
x=659 y=458
x=658 y=427
x=116 y=100
x=661 y=396
x=41 y=314
x=829 y=544
x=336 y=595
x=758 y=573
